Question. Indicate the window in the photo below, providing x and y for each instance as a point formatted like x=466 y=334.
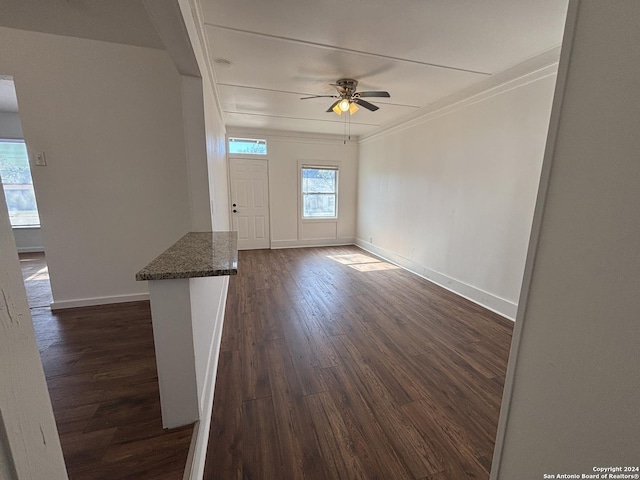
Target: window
x=17 y=183
x=319 y=192
x=247 y=146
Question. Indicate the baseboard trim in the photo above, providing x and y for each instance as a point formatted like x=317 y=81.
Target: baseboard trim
x=487 y=300
x=90 y=302
x=319 y=242
x=200 y=439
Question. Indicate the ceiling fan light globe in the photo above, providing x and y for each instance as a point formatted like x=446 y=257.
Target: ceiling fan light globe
x=344 y=105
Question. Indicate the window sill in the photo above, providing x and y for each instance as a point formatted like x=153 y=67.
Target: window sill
x=24 y=227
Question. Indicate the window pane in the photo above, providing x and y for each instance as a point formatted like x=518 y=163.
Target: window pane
x=17 y=183
x=248 y=146
x=317 y=180
x=319 y=205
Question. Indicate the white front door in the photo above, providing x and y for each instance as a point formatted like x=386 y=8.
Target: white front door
x=250 y=202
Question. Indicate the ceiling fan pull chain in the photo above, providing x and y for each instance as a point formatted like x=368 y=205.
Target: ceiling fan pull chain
x=344 y=141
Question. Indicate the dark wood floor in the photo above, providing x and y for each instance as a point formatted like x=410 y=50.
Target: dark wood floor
x=334 y=365
x=100 y=367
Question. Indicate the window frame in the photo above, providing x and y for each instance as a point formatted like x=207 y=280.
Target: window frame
x=318 y=165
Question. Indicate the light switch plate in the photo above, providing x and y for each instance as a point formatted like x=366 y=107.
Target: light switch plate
x=39 y=159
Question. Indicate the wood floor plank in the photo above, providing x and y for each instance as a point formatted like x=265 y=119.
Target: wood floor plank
x=261 y=457
x=232 y=335
x=419 y=458
x=298 y=444
x=343 y=367
x=390 y=318
x=304 y=352
x=382 y=461
x=455 y=453
x=420 y=455
x=383 y=387
x=226 y=424
x=471 y=380
x=318 y=340
x=336 y=447
x=255 y=377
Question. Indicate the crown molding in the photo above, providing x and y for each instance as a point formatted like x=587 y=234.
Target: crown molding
x=290 y=136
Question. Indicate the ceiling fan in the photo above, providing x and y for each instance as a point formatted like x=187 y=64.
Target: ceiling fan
x=348 y=98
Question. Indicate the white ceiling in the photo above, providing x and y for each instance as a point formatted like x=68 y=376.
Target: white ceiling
x=418 y=50
x=117 y=21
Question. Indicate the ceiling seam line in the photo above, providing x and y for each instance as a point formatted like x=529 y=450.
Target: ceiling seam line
x=349 y=50
x=300 y=118
x=300 y=93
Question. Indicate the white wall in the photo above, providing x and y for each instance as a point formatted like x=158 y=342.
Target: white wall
x=195 y=144
x=10 y=127
x=571 y=397
x=115 y=191
x=217 y=159
x=28 y=239
x=451 y=195
x=286 y=151
x=208 y=297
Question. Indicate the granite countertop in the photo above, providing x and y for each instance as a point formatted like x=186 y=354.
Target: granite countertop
x=197 y=254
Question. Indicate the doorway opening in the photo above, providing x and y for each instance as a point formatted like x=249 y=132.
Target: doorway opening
x=35 y=275
x=17 y=181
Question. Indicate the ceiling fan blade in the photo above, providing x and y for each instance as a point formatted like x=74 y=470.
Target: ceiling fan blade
x=330 y=109
x=319 y=96
x=365 y=104
x=374 y=94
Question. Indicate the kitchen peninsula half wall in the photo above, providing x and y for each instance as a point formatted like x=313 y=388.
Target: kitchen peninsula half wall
x=185 y=285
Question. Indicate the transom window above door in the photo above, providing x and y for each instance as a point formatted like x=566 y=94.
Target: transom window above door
x=247 y=146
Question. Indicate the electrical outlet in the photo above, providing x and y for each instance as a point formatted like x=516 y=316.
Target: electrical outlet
x=370 y=239
x=39 y=159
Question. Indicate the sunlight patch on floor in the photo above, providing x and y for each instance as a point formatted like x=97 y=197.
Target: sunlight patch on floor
x=372 y=267
x=362 y=263
x=42 y=274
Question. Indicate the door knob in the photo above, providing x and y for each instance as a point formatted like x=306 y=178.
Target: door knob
x=234 y=205
x=235 y=211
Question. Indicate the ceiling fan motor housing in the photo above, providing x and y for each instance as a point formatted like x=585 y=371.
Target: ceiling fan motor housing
x=348 y=85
